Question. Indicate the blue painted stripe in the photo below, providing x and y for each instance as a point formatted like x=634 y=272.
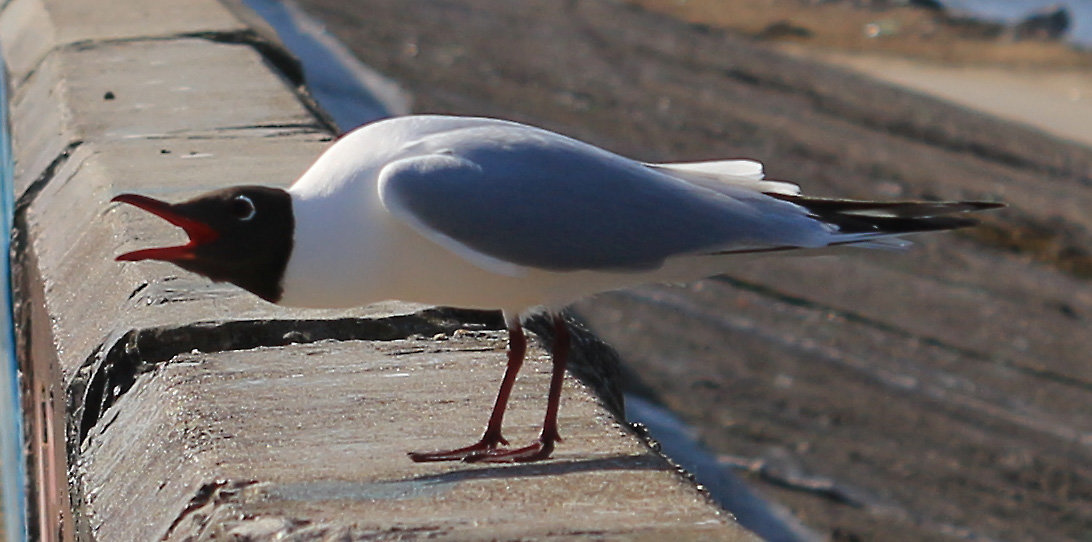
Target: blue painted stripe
x=12 y=465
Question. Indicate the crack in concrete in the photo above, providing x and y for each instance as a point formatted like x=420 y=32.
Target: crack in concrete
x=213 y=493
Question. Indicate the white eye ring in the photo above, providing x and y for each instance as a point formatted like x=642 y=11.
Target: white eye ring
x=244 y=208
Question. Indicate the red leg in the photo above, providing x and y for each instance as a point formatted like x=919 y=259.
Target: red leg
x=517 y=346
x=542 y=447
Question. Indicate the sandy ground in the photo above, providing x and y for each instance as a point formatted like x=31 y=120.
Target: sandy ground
x=862 y=26
x=1055 y=100
x=1043 y=84
x=937 y=394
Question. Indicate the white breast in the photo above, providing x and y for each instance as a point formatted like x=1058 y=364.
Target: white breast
x=349 y=251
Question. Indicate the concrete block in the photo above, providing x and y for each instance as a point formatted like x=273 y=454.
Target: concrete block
x=188 y=86
x=309 y=442
x=191 y=88
x=29 y=29
x=106 y=20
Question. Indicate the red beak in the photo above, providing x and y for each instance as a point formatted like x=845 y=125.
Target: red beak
x=198 y=232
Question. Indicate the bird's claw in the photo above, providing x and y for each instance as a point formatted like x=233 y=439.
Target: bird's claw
x=483 y=446
x=488 y=452
x=536 y=451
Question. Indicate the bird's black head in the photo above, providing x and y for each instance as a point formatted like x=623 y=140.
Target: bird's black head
x=242 y=235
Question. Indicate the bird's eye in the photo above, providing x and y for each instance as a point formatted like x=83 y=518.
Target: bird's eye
x=242 y=208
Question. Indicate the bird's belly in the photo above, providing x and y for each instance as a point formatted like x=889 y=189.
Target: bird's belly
x=398 y=264
x=433 y=274
x=395 y=263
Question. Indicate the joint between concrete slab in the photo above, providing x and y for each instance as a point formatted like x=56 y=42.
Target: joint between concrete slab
x=279 y=59
x=282 y=129
x=287 y=64
x=24 y=200
x=284 y=62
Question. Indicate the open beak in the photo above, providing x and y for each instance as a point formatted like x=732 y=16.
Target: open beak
x=198 y=232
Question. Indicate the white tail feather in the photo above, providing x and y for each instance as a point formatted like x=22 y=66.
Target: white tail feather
x=738 y=173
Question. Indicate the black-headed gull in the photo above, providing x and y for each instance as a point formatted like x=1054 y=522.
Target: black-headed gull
x=484 y=213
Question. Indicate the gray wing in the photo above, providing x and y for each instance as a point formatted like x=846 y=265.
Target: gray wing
x=532 y=198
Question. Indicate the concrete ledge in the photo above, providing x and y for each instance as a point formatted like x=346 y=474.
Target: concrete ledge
x=255 y=462
x=162 y=406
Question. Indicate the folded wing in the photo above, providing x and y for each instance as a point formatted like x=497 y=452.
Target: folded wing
x=510 y=198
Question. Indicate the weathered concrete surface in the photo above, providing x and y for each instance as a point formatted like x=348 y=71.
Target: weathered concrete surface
x=936 y=394
x=92 y=114
x=254 y=461
x=160 y=405
x=100 y=102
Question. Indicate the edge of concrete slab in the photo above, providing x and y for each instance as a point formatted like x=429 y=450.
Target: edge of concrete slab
x=123 y=367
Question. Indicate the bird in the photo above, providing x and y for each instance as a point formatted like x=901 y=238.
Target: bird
x=492 y=214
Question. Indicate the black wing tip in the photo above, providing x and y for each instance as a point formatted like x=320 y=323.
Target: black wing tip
x=936 y=223
x=984 y=205
x=857 y=204
x=891 y=217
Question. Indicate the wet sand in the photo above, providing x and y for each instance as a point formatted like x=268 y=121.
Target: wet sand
x=936 y=394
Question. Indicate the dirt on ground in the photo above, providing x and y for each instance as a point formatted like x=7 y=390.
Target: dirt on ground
x=935 y=394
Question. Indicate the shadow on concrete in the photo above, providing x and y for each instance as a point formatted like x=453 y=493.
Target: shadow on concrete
x=420 y=486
